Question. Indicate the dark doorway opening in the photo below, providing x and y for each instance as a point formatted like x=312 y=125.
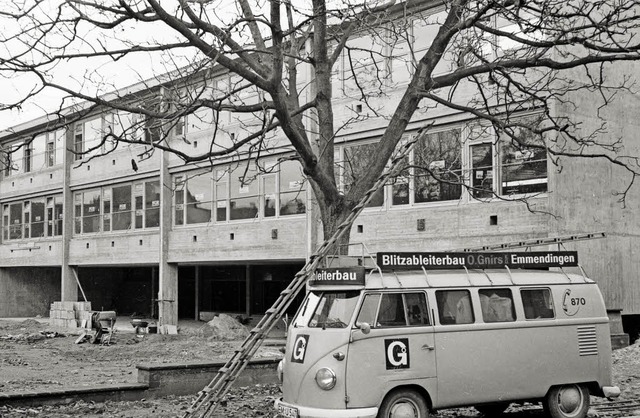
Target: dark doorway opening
x=126 y=290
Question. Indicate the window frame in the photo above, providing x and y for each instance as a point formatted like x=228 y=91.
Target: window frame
x=49 y=225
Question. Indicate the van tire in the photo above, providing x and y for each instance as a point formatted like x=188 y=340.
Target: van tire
x=567 y=401
x=402 y=403
x=492 y=409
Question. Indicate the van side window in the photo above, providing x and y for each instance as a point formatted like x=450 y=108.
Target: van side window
x=392 y=312
x=395 y=310
x=537 y=303
x=369 y=308
x=497 y=305
x=454 y=307
x=417 y=312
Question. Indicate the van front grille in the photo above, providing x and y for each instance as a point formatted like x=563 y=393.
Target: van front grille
x=587 y=341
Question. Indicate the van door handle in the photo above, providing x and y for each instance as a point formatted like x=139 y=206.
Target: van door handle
x=428 y=347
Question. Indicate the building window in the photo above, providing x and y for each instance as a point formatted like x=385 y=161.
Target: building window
x=37 y=218
x=7 y=163
x=356 y=160
x=523 y=169
x=152 y=204
x=51 y=153
x=13 y=159
x=481 y=170
x=270 y=201
x=222 y=196
x=192 y=199
x=124 y=207
x=198 y=199
x=78 y=135
x=54 y=216
x=292 y=189
x=438 y=167
x=34 y=218
x=244 y=191
x=15 y=220
x=27 y=156
x=54 y=148
x=121 y=213
x=178 y=196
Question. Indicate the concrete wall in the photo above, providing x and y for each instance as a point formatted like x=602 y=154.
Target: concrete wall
x=588 y=196
x=449 y=226
x=28 y=292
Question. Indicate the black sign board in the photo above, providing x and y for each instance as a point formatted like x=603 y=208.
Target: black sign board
x=474 y=260
x=341 y=276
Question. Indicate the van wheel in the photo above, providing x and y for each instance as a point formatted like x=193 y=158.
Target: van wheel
x=404 y=404
x=492 y=409
x=567 y=401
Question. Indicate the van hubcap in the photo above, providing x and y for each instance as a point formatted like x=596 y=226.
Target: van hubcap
x=404 y=409
x=570 y=400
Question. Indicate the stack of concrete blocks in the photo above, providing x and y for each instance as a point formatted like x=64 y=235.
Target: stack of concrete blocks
x=70 y=315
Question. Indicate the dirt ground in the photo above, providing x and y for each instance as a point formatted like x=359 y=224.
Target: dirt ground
x=33 y=356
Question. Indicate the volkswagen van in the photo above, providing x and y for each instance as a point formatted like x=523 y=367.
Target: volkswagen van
x=402 y=340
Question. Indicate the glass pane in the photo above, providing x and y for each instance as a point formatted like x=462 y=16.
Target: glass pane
x=199 y=189
x=368 y=310
x=246 y=208
x=139 y=212
x=537 y=303
x=523 y=169
x=438 y=161
x=15 y=221
x=58 y=215
x=152 y=204
x=90 y=224
x=221 y=201
x=292 y=203
x=37 y=218
x=454 y=307
x=334 y=310
x=392 y=313
x=269 y=184
x=481 y=171
x=400 y=191
x=179 y=201
x=91 y=211
x=497 y=305
x=121 y=208
x=417 y=312
x=356 y=161
x=199 y=213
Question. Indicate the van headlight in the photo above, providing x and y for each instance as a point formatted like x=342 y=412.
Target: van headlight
x=326 y=378
x=280 y=371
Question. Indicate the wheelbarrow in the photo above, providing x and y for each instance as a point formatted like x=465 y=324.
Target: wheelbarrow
x=102 y=324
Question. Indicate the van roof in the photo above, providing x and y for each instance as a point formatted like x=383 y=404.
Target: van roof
x=470 y=278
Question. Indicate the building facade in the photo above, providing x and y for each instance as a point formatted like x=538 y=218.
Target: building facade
x=134 y=229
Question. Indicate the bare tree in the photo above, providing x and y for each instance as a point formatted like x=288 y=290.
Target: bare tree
x=289 y=65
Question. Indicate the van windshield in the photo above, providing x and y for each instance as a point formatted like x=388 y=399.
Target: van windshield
x=332 y=310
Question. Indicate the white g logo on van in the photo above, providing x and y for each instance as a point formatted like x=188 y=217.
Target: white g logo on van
x=300 y=348
x=397 y=353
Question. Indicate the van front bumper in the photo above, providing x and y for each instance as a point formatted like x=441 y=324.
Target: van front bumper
x=306 y=412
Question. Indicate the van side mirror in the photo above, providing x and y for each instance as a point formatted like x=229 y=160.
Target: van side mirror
x=364 y=327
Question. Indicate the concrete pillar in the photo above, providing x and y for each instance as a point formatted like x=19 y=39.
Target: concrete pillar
x=197 y=293
x=168 y=272
x=69 y=286
x=248 y=287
